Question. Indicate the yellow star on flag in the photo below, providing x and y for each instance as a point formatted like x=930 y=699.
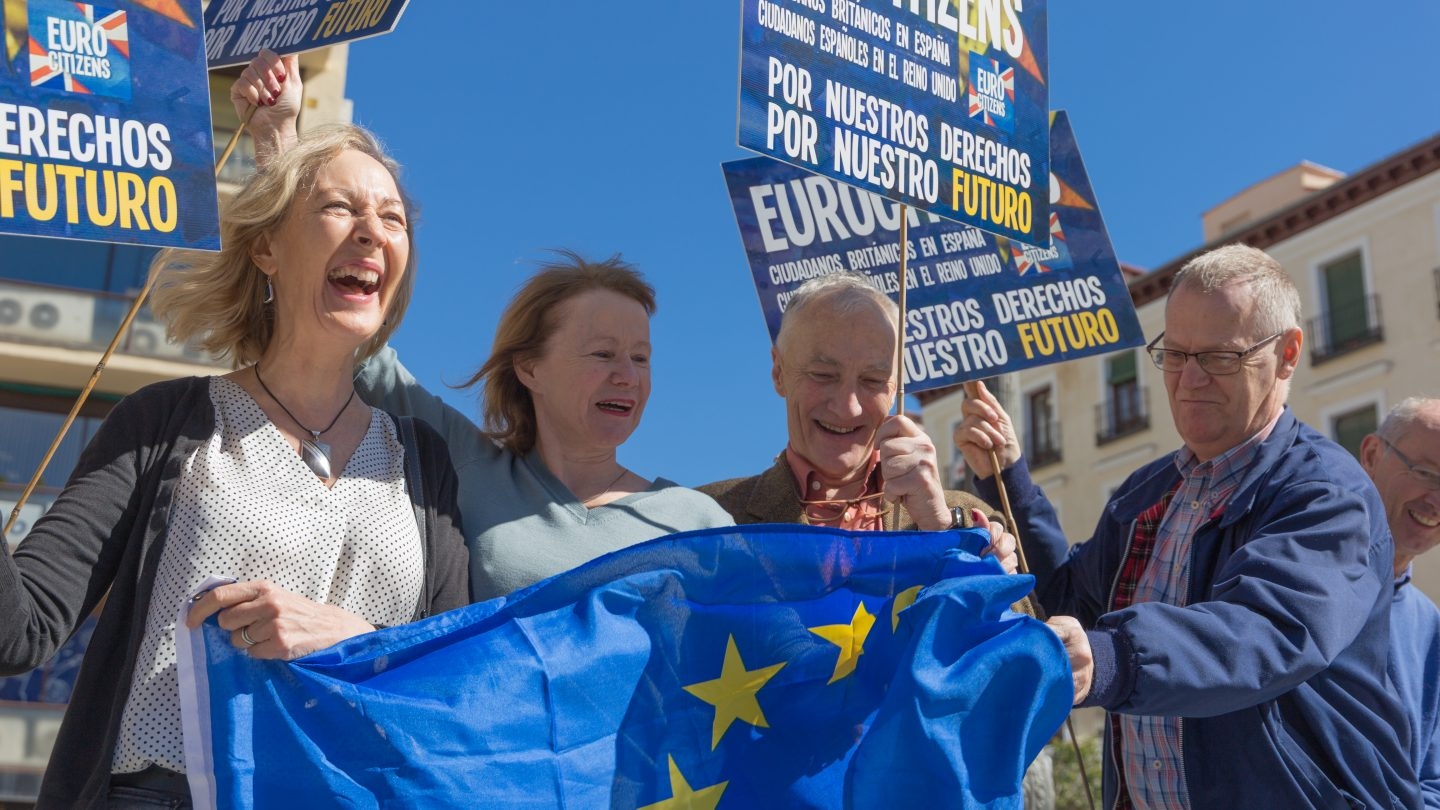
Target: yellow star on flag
x=850 y=638
x=903 y=600
x=733 y=693
x=682 y=797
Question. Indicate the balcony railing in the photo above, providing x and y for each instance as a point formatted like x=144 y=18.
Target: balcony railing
x=82 y=319
x=1346 y=327
x=1043 y=447
x=1122 y=415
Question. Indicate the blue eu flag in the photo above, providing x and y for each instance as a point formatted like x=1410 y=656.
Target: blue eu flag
x=757 y=666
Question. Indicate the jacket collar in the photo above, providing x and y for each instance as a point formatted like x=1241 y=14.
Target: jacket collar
x=772 y=499
x=1162 y=476
x=1282 y=438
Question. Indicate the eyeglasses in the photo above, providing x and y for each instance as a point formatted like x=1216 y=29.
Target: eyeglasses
x=1428 y=478
x=828 y=511
x=1216 y=364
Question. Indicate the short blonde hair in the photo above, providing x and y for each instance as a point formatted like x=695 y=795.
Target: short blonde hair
x=529 y=320
x=216 y=300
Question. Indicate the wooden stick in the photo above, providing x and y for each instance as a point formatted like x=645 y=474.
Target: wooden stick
x=900 y=339
x=1029 y=603
x=105 y=358
x=972 y=391
x=900 y=327
x=235 y=139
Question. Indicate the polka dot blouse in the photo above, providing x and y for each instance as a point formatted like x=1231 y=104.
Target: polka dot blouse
x=247 y=507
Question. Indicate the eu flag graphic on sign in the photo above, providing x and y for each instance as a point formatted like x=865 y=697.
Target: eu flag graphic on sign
x=763 y=666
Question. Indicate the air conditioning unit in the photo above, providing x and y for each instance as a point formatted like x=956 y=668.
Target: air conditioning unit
x=52 y=316
x=147 y=339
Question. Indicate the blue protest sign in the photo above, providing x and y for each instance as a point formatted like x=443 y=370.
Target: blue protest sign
x=977 y=304
x=105 y=123
x=938 y=105
x=237 y=30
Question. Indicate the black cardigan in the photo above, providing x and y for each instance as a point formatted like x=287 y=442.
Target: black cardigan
x=105 y=533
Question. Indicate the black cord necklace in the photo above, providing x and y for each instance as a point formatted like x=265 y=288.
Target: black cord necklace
x=315 y=453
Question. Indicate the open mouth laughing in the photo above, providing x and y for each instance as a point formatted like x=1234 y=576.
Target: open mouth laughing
x=355 y=279
x=618 y=407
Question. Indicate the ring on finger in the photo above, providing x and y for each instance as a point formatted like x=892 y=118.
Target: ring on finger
x=245 y=636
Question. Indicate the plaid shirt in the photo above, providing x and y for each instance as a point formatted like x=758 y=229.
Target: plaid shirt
x=1157 y=569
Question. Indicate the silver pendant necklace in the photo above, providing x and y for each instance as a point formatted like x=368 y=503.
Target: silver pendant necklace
x=315 y=453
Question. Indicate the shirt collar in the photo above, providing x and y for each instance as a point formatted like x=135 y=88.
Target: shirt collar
x=1238 y=456
x=809 y=483
x=865 y=514
x=1404 y=578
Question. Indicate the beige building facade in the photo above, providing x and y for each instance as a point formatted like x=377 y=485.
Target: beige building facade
x=1364 y=252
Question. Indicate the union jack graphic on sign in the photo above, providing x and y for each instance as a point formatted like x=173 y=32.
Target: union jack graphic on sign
x=1042 y=260
x=79 y=48
x=991 y=94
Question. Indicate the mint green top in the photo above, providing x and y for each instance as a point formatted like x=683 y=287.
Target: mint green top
x=521 y=523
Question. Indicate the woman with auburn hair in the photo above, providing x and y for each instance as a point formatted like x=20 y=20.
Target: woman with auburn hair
x=541 y=487
x=332 y=518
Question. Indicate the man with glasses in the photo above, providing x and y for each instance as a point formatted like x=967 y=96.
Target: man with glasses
x=1403 y=459
x=1232 y=609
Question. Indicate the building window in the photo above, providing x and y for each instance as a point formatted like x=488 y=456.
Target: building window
x=94 y=266
x=25 y=435
x=1351 y=318
x=1123 y=412
x=1351 y=427
x=1042 y=431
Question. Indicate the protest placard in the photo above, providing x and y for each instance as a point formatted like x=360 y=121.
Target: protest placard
x=237 y=30
x=938 y=105
x=978 y=304
x=105 y=123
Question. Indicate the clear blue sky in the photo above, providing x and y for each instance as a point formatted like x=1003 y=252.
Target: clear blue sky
x=602 y=126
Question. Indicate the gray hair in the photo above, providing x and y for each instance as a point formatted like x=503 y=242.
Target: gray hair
x=842 y=293
x=1405 y=415
x=1277 y=302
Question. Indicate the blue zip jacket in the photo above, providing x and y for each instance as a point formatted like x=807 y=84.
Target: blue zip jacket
x=1277 y=664
x=1415 y=671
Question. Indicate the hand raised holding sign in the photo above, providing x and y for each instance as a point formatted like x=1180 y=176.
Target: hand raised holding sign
x=270 y=85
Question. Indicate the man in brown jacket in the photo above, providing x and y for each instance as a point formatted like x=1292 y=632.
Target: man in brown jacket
x=848 y=463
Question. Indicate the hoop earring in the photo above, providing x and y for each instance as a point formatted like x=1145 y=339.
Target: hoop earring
x=269 y=293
